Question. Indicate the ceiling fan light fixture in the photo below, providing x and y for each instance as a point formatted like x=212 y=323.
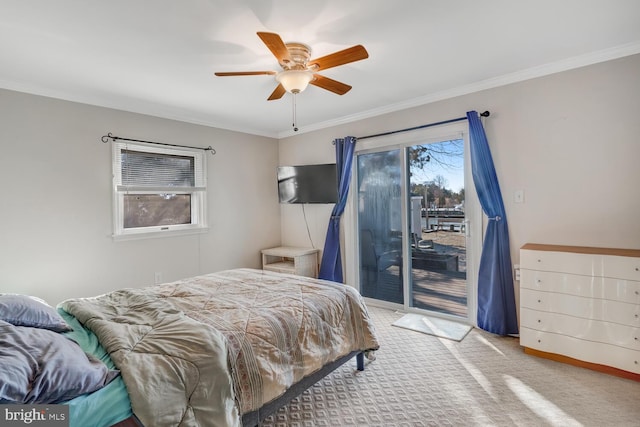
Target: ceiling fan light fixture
x=294 y=81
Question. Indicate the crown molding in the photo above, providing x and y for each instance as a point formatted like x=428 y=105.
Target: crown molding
x=518 y=76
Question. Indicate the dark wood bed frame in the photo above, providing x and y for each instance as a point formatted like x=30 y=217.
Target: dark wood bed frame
x=252 y=419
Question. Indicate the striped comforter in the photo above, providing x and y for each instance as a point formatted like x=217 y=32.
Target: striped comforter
x=205 y=350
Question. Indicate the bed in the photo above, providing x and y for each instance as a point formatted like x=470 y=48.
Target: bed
x=223 y=349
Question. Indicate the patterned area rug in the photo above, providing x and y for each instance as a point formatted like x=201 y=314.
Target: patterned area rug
x=433 y=326
x=484 y=380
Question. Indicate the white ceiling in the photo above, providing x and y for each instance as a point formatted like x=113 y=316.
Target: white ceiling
x=158 y=57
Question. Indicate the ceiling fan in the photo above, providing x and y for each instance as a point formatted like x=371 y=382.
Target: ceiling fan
x=298 y=70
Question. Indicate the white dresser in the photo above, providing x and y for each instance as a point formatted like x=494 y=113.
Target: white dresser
x=581 y=305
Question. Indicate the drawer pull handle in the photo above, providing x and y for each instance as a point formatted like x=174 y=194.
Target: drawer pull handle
x=539 y=321
x=541 y=341
x=541 y=261
x=541 y=301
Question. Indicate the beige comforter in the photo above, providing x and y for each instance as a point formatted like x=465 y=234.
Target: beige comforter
x=203 y=351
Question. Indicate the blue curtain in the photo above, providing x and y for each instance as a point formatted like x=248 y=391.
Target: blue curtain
x=496 y=300
x=331 y=265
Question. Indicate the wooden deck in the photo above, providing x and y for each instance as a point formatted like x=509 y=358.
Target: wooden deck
x=435 y=287
x=435 y=290
x=440 y=291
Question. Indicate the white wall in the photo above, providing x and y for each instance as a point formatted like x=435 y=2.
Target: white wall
x=56 y=201
x=569 y=140
x=292 y=216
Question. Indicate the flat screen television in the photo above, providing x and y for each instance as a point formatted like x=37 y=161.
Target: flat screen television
x=308 y=184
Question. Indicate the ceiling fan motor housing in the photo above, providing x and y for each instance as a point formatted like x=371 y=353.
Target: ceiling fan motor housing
x=299 y=54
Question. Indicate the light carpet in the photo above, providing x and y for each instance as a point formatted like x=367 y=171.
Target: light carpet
x=433 y=326
x=484 y=380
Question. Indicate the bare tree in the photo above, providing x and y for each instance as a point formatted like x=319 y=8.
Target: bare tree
x=442 y=153
x=440 y=181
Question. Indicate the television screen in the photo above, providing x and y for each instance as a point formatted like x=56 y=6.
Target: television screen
x=308 y=184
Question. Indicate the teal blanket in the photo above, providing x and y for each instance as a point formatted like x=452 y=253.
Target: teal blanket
x=106 y=406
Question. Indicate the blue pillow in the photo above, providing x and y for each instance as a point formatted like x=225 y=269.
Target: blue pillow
x=23 y=310
x=39 y=366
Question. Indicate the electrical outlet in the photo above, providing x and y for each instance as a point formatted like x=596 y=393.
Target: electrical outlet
x=516 y=269
x=158 y=277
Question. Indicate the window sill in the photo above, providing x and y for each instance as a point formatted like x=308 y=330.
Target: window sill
x=159 y=234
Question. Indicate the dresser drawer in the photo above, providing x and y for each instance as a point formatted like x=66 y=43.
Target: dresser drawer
x=588 y=351
x=622 y=290
x=614 y=263
x=582 y=307
x=563 y=262
x=621 y=267
x=592 y=330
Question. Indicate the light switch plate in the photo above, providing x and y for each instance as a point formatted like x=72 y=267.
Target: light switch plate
x=518 y=196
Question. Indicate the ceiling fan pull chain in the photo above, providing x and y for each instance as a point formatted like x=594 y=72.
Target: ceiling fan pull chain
x=295 y=128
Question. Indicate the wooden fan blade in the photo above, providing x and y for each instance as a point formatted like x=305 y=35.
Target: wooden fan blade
x=330 y=84
x=277 y=93
x=276 y=46
x=245 y=73
x=352 y=54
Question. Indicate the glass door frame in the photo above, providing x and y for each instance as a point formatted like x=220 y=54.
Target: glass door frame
x=474 y=216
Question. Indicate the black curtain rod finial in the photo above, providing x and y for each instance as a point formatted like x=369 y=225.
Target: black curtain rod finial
x=485 y=113
x=105 y=138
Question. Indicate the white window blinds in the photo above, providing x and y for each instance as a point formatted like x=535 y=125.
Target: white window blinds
x=158 y=189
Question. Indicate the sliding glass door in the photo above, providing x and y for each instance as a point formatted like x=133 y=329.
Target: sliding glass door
x=413 y=226
x=379 y=203
x=438 y=227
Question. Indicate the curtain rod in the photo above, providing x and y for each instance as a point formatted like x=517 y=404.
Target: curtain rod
x=484 y=114
x=108 y=136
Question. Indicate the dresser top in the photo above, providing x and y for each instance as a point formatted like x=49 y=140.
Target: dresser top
x=582 y=250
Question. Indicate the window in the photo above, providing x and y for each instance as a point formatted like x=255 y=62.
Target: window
x=158 y=190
